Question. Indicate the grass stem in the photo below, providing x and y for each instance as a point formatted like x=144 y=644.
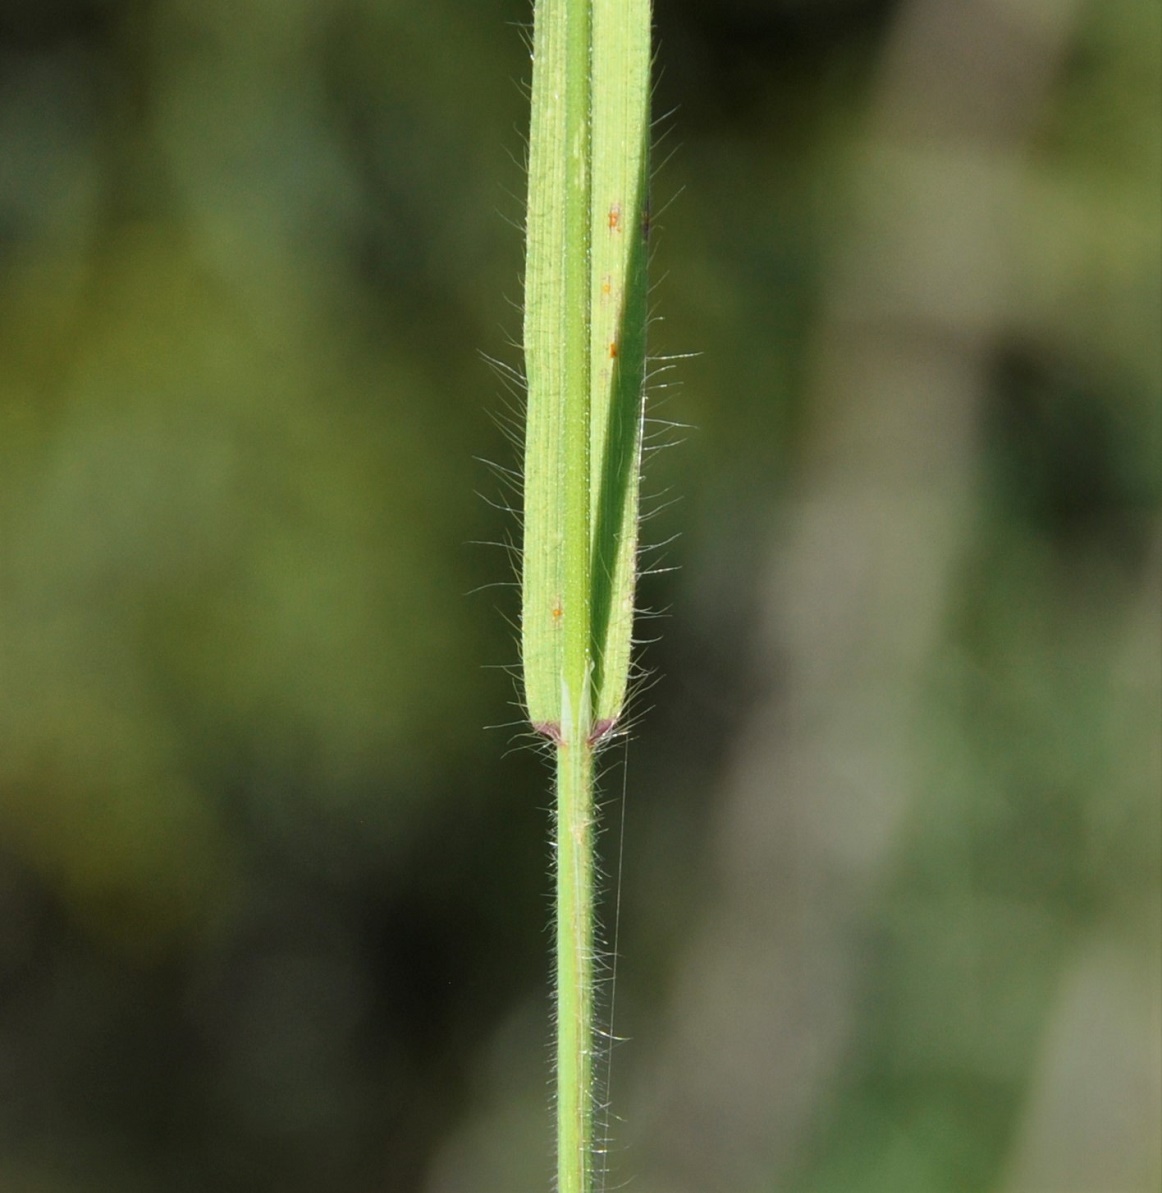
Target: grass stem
x=585 y=323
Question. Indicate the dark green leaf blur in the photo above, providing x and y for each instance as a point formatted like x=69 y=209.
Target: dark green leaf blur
x=884 y=852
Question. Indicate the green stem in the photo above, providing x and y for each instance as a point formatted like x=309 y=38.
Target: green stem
x=574 y=847
x=574 y=754
x=585 y=323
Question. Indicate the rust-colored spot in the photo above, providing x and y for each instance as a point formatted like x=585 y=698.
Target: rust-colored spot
x=615 y=218
x=607 y=284
x=613 y=350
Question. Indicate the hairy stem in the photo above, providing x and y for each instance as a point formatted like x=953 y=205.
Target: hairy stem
x=585 y=321
x=575 y=942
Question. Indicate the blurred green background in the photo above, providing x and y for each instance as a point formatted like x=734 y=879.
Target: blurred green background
x=273 y=898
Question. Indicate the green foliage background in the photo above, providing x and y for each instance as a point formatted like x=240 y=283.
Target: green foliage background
x=273 y=899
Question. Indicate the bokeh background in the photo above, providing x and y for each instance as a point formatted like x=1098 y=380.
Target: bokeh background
x=273 y=856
